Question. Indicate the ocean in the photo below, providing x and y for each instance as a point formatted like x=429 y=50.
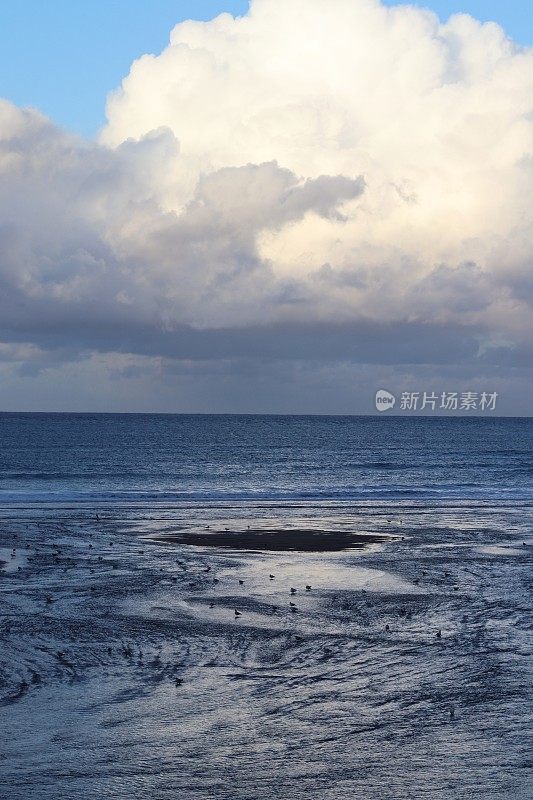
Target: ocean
x=255 y=607
x=105 y=458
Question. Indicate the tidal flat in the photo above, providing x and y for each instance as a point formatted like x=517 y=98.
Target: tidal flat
x=217 y=650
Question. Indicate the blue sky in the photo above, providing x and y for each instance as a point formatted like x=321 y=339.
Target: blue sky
x=63 y=56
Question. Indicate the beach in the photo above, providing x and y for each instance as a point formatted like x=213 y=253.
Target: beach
x=266 y=433
x=139 y=658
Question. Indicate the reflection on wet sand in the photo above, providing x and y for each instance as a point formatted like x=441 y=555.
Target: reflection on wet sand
x=137 y=663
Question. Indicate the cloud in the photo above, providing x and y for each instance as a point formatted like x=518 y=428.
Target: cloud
x=329 y=182
x=437 y=118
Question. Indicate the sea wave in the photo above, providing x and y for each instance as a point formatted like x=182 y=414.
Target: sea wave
x=273 y=494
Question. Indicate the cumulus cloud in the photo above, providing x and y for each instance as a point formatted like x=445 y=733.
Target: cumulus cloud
x=436 y=117
x=84 y=234
x=330 y=180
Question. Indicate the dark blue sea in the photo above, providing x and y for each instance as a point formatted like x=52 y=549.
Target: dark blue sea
x=265 y=607
x=109 y=457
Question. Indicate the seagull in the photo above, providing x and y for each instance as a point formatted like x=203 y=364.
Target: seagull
x=237 y=613
x=439 y=634
x=271 y=577
x=293 y=605
x=293 y=591
x=241 y=583
x=307 y=588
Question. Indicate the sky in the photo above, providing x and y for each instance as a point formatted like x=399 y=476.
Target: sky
x=281 y=209
x=99 y=39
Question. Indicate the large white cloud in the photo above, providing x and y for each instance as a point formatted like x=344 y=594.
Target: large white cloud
x=438 y=119
x=311 y=163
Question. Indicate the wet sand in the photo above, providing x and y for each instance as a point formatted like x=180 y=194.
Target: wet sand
x=302 y=540
x=376 y=652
